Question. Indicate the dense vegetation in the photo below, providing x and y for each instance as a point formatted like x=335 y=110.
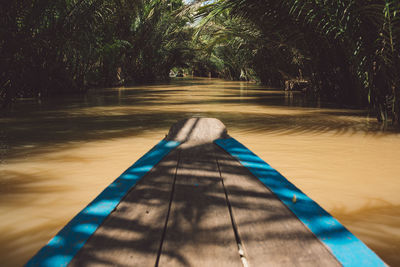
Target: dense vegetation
x=346 y=51
x=53 y=46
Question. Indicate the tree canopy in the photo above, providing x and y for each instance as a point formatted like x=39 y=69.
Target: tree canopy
x=346 y=51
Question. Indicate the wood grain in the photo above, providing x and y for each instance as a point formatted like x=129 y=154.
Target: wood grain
x=179 y=215
x=271 y=234
x=199 y=231
x=131 y=235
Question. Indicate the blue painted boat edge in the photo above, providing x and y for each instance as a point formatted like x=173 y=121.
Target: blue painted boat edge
x=347 y=248
x=62 y=248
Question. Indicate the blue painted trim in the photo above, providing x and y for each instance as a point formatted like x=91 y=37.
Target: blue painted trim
x=347 y=248
x=60 y=250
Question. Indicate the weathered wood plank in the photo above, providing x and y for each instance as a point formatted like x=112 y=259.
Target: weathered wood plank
x=198 y=130
x=271 y=234
x=194 y=207
x=199 y=230
x=131 y=235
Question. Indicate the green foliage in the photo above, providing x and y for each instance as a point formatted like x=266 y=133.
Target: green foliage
x=348 y=50
x=228 y=46
x=54 y=46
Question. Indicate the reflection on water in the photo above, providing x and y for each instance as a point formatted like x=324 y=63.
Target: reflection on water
x=58 y=154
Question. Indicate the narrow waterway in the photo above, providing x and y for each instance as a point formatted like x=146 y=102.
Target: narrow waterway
x=57 y=154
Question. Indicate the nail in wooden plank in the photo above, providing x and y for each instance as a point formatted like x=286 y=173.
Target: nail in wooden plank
x=271 y=234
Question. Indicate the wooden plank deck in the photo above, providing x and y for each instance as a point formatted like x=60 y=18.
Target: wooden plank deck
x=179 y=215
x=199 y=230
x=270 y=233
x=200 y=206
x=132 y=233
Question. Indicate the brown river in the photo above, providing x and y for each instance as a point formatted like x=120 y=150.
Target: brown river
x=57 y=154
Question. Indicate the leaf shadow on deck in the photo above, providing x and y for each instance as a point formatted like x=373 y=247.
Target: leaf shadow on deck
x=199 y=222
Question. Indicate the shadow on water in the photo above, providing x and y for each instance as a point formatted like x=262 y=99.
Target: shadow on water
x=14 y=184
x=122 y=112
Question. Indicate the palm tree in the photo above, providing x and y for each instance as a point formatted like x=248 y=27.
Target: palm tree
x=348 y=50
x=52 y=46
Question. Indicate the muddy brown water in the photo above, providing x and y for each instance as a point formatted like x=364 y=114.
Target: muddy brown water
x=57 y=154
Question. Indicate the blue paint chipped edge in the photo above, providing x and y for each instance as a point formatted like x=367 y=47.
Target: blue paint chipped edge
x=347 y=248
x=62 y=248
